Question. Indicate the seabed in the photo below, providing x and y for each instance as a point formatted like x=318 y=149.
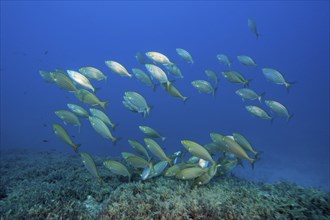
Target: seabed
x=54 y=185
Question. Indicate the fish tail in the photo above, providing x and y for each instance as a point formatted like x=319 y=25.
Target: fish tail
x=252 y=161
x=247 y=83
x=147 y=112
x=102 y=104
x=96 y=90
x=185 y=98
x=215 y=91
x=154 y=86
x=169 y=161
x=114 y=140
x=261 y=96
x=114 y=126
x=288 y=85
x=290 y=116
x=75 y=147
x=257 y=153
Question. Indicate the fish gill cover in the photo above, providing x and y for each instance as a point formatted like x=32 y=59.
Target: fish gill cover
x=171 y=100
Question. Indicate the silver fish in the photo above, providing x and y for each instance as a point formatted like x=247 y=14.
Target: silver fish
x=80 y=79
x=258 y=112
x=279 y=109
x=136 y=103
x=243 y=142
x=78 y=110
x=89 y=98
x=138 y=147
x=212 y=76
x=117 y=68
x=141 y=58
x=185 y=55
x=197 y=150
x=46 y=76
x=92 y=73
x=190 y=173
x=63 y=81
x=276 y=77
x=151 y=132
x=156 y=150
x=143 y=77
x=158 y=57
x=117 y=168
x=236 y=149
x=246 y=60
x=204 y=86
x=101 y=128
x=173 y=91
x=235 y=77
x=249 y=94
x=158 y=168
x=223 y=59
x=157 y=73
x=61 y=133
x=101 y=115
x=68 y=118
x=90 y=164
x=253 y=27
x=174 y=70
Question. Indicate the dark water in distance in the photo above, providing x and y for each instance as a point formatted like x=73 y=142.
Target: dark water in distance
x=68 y=35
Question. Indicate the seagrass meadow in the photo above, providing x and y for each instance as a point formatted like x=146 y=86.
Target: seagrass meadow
x=54 y=185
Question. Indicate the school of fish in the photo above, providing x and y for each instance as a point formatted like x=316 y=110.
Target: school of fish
x=194 y=162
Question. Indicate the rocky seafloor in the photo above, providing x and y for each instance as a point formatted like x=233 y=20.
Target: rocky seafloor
x=54 y=185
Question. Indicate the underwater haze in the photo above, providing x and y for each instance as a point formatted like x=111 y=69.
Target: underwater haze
x=294 y=39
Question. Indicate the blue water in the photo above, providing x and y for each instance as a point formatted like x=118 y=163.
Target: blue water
x=68 y=35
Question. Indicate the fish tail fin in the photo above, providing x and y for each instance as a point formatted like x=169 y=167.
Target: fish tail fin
x=252 y=161
x=75 y=147
x=215 y=91
x=247 y=83
x=239 y=162
x=106 y=79
x=115 y=140
x=170 y=162
x=185 y=98
x=147 y=112
x=288 y=85
x=154 y=86
x=114 y=126
x=96 y=90
x=257 y=153
x=102 y=104
x=261 y=96
x=289 y=118
x=163 y=138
